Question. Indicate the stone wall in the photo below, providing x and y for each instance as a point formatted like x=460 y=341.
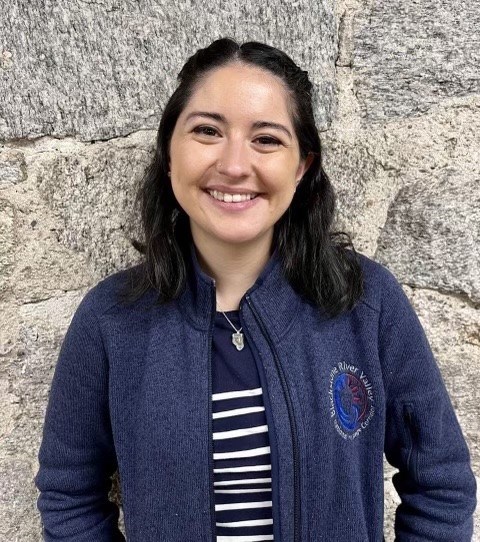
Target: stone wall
x=82 y=88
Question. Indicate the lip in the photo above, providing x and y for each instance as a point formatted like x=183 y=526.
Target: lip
x=233 y=207
x=231 y=189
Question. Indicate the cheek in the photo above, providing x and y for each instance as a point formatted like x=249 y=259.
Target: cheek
x=190 y=162
x=281 y=177
x=183 y=171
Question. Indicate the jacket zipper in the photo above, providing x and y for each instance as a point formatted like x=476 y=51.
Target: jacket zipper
x=210 y=420
x=293 y=428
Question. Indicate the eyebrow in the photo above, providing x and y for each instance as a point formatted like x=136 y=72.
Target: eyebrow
x=257 y=124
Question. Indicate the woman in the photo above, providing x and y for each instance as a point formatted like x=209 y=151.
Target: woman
x=247 y=377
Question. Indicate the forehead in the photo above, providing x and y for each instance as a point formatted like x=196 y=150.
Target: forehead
x=243 y=90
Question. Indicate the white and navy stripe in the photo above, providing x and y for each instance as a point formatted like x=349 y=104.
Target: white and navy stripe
x=242 y=466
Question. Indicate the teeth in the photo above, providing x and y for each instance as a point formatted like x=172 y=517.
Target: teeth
x=229 y=198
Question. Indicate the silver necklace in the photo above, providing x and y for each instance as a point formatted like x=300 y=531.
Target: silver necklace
x=237 y=337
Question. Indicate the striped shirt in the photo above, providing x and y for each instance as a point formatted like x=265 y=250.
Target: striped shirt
x=241 y=447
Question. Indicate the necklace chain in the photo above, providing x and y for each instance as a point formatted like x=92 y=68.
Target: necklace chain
x=237 y=337
x=229 y=321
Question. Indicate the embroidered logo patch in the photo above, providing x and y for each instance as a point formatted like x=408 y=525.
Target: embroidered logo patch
x=351 y=400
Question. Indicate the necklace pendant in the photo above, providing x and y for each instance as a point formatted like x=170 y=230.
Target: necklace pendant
x=237 y=340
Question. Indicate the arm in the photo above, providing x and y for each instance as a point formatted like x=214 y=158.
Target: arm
x=423 y=438
x=77 y=455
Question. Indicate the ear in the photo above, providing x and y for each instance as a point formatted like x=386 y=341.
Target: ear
x=304 y=165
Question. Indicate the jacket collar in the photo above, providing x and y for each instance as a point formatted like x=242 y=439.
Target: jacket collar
x=271 y=295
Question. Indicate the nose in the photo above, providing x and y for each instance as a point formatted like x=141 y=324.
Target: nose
x=234 y=159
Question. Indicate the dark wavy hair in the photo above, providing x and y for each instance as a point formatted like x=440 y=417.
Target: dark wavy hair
x=320 y=264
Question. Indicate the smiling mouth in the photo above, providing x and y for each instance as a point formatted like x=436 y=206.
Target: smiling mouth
x=231 y=198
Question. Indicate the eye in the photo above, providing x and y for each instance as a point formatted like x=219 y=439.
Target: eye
x=205 y=130
x=268 y=141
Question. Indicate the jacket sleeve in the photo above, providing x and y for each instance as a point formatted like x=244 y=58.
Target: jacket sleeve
x=77 y=456
x=423 y=438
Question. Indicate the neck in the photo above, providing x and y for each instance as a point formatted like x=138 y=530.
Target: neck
x=234 y=266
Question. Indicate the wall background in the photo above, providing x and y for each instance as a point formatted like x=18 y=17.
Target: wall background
x=82 y=86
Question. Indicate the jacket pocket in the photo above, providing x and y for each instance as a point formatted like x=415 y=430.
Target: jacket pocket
x=411 y=432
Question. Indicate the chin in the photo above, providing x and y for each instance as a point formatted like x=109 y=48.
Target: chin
x=240 y=240
x=237 y=240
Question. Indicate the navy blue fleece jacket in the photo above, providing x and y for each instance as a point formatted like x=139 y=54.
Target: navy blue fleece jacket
x=132 y=390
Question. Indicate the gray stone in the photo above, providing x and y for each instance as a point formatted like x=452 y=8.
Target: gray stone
x=368 y=167
x=431 y=235
x=18 y=516
x=7 y=244
x=12 y=168
x=103 y=69
x=345 y=38
x=38 y=331
x=34 y=264
x=20 y=426
x=8 y=408
x=448 y=136
x=91 y=191
x=47 y=269
x=408 y=56
x=33 y=333
x=364 y=188
x=8 y=332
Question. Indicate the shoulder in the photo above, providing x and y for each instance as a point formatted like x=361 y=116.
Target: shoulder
x=380 y=286
x=107 y=294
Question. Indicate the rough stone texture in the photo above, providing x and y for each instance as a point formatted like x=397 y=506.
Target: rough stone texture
x=408 y=56
x=16 y=496
x=369 y=166
x=362 y=184
x=67 y=234
x=102 y=69
x=400 y=137
x=34 y=332
x=428 y=220
x=39 y=266
x=7 y=243
x=12 y=168
x=83 y=184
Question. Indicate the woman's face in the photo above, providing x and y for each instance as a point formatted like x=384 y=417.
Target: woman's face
x=235 y=140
